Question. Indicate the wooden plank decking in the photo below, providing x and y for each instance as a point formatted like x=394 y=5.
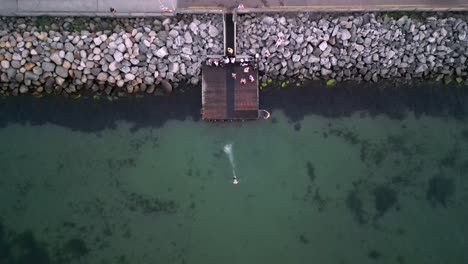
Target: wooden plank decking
x=225 y=98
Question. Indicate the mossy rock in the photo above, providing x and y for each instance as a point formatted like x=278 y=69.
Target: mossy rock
x=269 y=81
x=78 y=24
x=447 y=81
x=331 y=82
x=459 y=80
x=43 y=22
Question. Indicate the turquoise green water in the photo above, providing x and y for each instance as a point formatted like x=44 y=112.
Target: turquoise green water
x=355 y=189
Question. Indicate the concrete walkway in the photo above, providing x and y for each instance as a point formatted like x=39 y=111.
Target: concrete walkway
x=84 y=7
x=153 y=7
x=327 y=4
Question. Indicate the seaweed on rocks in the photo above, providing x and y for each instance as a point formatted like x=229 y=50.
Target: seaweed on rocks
x=440 y=190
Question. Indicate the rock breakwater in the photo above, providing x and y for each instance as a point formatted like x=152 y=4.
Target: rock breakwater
x=114 y=56
x=356 y=47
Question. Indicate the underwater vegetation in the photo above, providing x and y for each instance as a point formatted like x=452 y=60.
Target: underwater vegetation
x=311 y=171
x=297 y=127
x=451 y=158
x=303 y=239
x=374 y=254
x=464 y=135
x=148 y=205
x=21 y=248
x=356 y=206
x=385 y=198
x=440 y=190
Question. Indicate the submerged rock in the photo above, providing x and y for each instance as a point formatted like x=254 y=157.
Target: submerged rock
x=385 y=198
x=166 y=86
x=440 y=190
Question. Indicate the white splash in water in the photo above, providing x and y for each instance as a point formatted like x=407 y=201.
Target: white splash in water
x=230 y=154
x=228 y=151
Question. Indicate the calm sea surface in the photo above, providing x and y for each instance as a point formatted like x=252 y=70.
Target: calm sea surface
x=352 y=174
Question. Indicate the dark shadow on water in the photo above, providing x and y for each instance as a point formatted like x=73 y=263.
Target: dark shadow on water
x=433 y=99
x=86 y=114
x=393 y=100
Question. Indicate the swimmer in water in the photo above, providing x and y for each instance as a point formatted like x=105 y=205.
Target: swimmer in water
x=234 y=179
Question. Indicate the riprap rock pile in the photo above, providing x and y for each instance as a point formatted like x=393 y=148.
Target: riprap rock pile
x=356 y=47
x=109 y=55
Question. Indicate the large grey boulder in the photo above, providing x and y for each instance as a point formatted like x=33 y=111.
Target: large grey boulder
x=166 y=86
x=213 y=31
x=188 y=37
x=61 y=71
x=323 y=46
x=345 y=34
x=56 y=59
x=162 y=52
x=48 y=66
x=174 y=67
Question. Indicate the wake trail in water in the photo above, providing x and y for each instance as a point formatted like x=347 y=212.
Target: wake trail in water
x=230 y=154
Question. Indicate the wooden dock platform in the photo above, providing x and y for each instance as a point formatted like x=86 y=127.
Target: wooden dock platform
x=225 y=97
x=230 y=83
